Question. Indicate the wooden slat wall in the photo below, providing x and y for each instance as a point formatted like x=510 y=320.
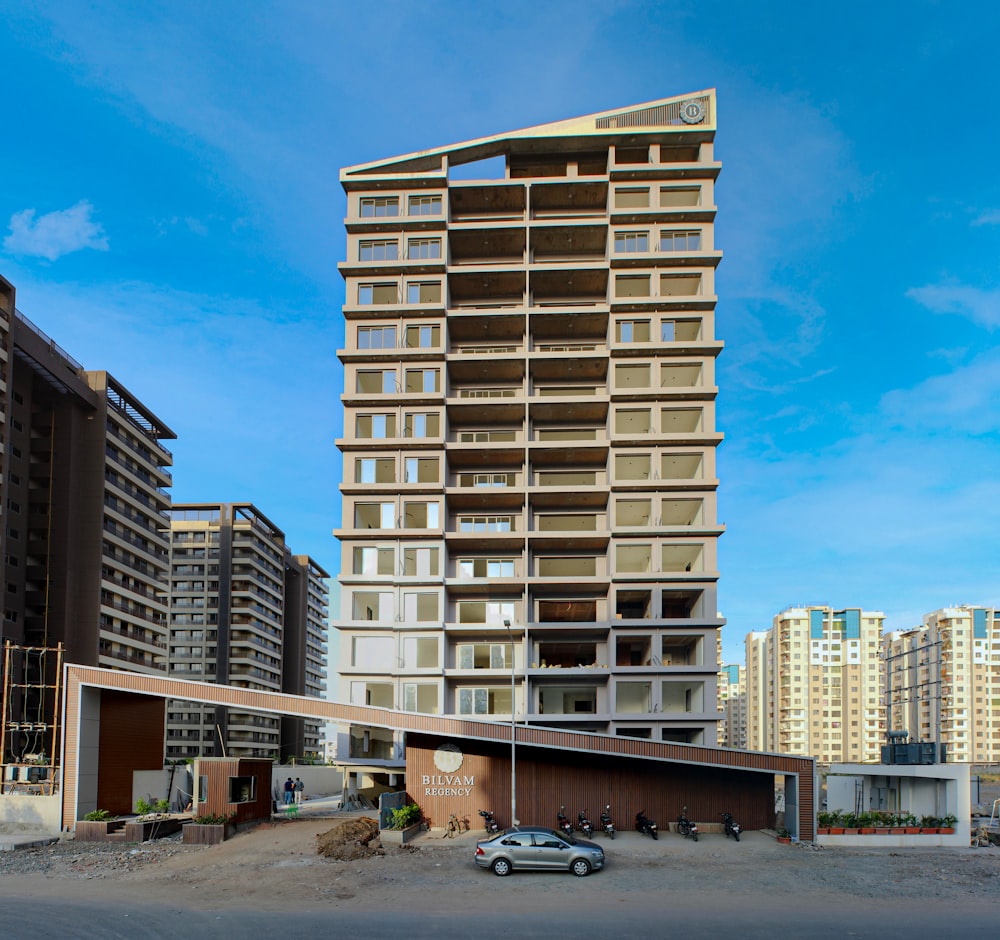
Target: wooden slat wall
x=131 y=739
x=218 y=771
x=482 y=733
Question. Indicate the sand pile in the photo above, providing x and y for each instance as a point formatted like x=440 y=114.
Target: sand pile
x=354 y=838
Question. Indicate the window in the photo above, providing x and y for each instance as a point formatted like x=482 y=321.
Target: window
x=371 y=652
x=375 y=426
x=422 y=425
x=376 y=337
x=632 y=285
x=423 y=292
x=485 y=523
x=420 y=697
x=421 y=515
x=374 y=470
x=486 y=568
x=667 y=331
x=680 y=285
x=632 y=331
x=376 y=382
x=422 y=380
x=483 y=656
x=378 y=294
x=423 y=337
x=632 y=421
x=627 y=242
x=420 y=562
x=374 y=515
x=242 y=789
x=680 y=241
x=420 y=652
x=382 y=250
x=421 y=249
x=677 y=196
x=372 y=606
x=632 y=466
x=371 y=560
x=425 y=205
x=632 y=376
x=421 y=470
x=378 y=206
x=420 y=607
x=632 y=197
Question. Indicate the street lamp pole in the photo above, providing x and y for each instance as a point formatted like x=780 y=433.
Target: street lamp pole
x=513 y=734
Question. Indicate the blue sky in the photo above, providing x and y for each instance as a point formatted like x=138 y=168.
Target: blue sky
x=170 y=212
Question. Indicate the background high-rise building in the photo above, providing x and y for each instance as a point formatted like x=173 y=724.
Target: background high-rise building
x=814 y=685
x=529 y=428
x=942 y=682
x=733 y=706
x=244 y=612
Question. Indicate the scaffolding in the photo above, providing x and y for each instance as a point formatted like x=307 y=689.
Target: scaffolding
x=29 y=719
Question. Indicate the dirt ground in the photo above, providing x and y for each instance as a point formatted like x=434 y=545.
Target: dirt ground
x=277 y=867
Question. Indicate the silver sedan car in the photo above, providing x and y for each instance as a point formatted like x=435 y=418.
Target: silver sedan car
x=536 y=848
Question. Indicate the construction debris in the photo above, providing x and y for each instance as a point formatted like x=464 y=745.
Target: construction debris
x=351 y=839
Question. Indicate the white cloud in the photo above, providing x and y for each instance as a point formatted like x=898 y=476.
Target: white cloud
x=989 y=217
x=56 y=233
x=979 y=305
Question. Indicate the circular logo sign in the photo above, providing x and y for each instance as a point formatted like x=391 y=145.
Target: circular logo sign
x=448 y=758
x=692 y=112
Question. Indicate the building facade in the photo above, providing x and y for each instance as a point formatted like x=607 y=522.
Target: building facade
x=244 y=612
x=529 y=496
x=942 y=682
x=733 y=706
x=814 y=685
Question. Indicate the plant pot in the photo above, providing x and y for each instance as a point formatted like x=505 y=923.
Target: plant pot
x=911 y=830
x=836 y=830
x=880 y=830
x=897 y=830
x=786 y=840
x=928 y=830
x=208 y=833
x=947 y=830
x=399 y=836
x=851 y=830
x=823 y=830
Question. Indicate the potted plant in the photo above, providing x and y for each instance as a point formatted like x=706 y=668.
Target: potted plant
x=784 y=836
x=947 y=826
x=97 y=826
x=851 y=824
x=867 y=822
x=929 y=824
x=910 y=825
x=823 y=822
x=403 y=824
x=209 y=829
x=836 y=823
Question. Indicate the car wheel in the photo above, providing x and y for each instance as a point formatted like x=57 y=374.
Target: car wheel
x=580 y=867
x=501 y=867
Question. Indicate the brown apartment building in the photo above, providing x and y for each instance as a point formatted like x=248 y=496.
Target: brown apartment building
x=529 y=495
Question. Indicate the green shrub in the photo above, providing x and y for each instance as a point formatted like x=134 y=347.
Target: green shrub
x=99 y=815
x=405 y=816
x=163 y=806
x=143 y=807
x=210 y=819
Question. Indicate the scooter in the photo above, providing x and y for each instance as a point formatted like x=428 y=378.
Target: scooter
x=586 y=826
x=609 y=826
x=489 y=821
x=732 y=828
x=565 y=826
x=687 y=828
x=644 y=825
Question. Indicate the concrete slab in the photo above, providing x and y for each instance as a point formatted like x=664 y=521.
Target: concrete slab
x=11 y=842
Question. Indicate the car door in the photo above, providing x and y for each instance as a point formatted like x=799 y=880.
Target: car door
x=552 y=851
x=521 y=849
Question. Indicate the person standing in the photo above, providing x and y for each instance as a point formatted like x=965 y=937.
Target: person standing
x=300 y=788
x=289 y=788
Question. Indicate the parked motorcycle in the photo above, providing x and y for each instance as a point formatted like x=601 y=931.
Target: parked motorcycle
x=565 y=826
x=687 y=828
x=489 y=821
x=732 y=827
x=644 y=825
x=606 y=823
x=586 y=826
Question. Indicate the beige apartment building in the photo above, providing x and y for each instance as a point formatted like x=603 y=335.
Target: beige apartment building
x=943 y=682
x=245 y=612
x=733 y=706
x=529 y=429
x=814 y=685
